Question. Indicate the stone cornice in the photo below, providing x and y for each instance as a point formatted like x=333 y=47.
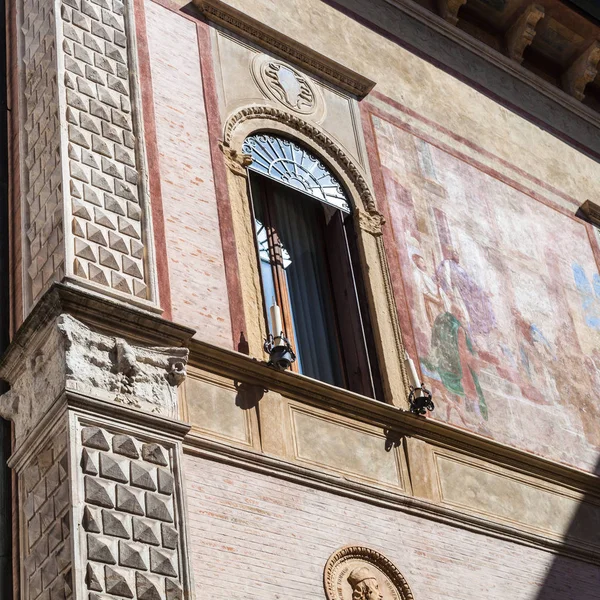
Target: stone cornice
x=220 y=13
x=102 y=312
x=499 y=60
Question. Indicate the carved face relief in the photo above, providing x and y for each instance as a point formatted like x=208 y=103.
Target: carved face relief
x=285 y=84
x=359 y=573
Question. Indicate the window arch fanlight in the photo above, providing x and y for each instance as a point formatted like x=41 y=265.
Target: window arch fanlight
x=290 y=164
x=308 y=259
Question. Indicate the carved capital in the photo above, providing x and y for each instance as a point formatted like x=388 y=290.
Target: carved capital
x=372 y=221
x=521 y=34
x=236 y=162
x=449 y=9
x=583 y=70
x=68 y=355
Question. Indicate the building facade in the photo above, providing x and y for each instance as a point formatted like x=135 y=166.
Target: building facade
x=243 y=242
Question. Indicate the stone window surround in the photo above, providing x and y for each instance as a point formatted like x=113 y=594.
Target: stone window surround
x=381 y=303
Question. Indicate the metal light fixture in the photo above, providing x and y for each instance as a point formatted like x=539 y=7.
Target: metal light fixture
x=278 y=347
x=280 y=352
x=419 y=398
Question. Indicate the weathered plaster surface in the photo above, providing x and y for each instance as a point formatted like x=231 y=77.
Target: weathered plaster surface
x=198 y=286
x=504 y=284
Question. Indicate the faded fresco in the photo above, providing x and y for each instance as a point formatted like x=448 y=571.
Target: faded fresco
x=504 y=298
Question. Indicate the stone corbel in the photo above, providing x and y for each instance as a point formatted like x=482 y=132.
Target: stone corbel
x=583 y=70
x=522 y=32
x=449 y=9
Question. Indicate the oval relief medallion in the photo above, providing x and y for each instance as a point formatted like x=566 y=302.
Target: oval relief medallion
x=359 y=573
x=283 y=83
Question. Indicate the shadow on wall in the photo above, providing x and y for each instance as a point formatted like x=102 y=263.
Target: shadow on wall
x=573 y=579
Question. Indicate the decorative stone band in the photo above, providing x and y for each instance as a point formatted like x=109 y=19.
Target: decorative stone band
x=83 y=162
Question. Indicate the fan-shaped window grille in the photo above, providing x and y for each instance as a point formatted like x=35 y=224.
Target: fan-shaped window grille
x=288 y=163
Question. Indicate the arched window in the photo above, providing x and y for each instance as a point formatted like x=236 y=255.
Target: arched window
x=307 y=253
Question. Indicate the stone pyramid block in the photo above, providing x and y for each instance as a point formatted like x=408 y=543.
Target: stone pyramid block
x=123 y=444
x=97 y=493
x=91 y=579
x=128 y=501
x=142 y=477
x=88 y=465
x=113 y=524
x=99 y=550
x=165 y=482
x=130 y=556
x=162 y=563
x=157 y=508
x=169 y=536
x=143 y=531
x=155 y=454
x=172 y=590
x=116 y=583
x=90 y=520
x=111 y=469
x=145 y=588
x=94 y=437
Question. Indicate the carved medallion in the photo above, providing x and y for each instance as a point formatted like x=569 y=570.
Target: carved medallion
x=286 y=85
x=359 y=573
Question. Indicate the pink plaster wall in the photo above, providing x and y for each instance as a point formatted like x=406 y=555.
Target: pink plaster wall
x=255 y=536
x=195 y=255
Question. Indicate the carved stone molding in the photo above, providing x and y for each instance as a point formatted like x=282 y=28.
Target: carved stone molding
x=330 y=148
x=272 y=40
x=360 y=573
x=68 y=355
x=521 y=34
x=583 y=70
x=449 y=9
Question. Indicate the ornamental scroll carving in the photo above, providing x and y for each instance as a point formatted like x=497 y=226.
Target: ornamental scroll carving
x=285 y=84
x=360 y=573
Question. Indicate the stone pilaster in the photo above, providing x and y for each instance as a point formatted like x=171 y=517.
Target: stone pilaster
x=86 y=213
x=97 y=459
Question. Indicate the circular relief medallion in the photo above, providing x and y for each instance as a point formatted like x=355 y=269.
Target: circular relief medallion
x=359 y=573
x=286 y=85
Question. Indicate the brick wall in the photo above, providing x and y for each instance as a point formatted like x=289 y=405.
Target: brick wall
x=196 y=268
x=254 y=536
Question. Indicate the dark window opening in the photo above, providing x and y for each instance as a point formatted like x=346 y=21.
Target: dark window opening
x=307 y=254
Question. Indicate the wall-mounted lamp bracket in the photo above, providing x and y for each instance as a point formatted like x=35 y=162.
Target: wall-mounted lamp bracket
x=420 y=401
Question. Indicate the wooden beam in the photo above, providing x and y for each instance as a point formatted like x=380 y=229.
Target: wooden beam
x=521 y=34
x=583 y=70
x=449 y=9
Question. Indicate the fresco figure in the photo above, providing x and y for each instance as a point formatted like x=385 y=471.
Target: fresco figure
x=590 y=296
x=431 y=298
x=534 y=357
x=465 y=293
x=454 y=359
